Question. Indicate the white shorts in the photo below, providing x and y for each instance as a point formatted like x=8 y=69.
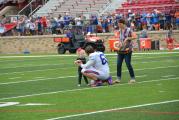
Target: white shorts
x=99 y=74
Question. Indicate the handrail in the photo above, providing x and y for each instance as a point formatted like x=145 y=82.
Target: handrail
x=108 y=5
x=39 y=6
x=25 y=7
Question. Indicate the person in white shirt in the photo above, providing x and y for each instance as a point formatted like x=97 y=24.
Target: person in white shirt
x=96 y=68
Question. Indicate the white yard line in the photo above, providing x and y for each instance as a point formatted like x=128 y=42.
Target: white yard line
x=74 y=90
x=140 y=76
x=43 y=79
x=115 y=109
x=39 y=77
x=33 y=71
x=5 y=104
x=14 y=78
x=168 y=76
x=31 y=56
x=31 y=65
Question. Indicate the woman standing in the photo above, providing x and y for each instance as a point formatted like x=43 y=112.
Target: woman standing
x=125 y=50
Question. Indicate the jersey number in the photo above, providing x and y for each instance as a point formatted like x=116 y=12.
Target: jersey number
x=103 y=59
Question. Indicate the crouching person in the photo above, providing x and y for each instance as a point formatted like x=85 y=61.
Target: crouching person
x=96 y=68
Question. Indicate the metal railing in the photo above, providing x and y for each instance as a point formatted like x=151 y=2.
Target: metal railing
x=30 y=4
x=38 y=7
x=30 y=8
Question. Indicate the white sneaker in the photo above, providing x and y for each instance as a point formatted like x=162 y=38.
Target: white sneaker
x=116 y=81
x=132 y=81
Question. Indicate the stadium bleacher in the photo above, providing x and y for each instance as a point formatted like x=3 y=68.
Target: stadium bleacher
x=148 y=6
x=71 y=6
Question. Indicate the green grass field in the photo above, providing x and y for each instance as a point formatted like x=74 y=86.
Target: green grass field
x=41 y=87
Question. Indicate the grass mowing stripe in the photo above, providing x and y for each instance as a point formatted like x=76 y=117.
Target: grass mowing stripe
x=146 y=57
x=150 y=68
x=74 y=90
x=43 y=79
x=56 y=64
x=14 y=78
x=111 y=61
x=168 y=76
x=39 y=70
x=140 y=76
x=62 y=68
x=115 y=109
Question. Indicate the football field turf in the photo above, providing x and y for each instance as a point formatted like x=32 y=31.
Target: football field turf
x=44 y=87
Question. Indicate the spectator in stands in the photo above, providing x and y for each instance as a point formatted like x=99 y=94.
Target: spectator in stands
x=110 y=22
x=155 y=19
x=138 y=21
x=2 y=29
x=130 y=17
x=172 y=13
x=66 y=19
x=60 y=25
x=167 y=18
x=20 y=25
x=169 y=38
x=73 y=6
x=143 y=33
x=125 y=50
x=77 y=3
x=161 y=20
x=148 y=19
x=104 y=26
x=78 y=21
x=177 y=19
x=2 y=18
x=39 y=26
x=144 y=18
x=27 y=27
x=49 y=26
x=54 y=25
x=32 y=27
x=44 y=24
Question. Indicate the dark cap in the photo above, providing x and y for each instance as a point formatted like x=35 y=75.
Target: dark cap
x=122 y=21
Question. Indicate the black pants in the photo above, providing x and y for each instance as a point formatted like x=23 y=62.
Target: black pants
x=80 y=76
x=127 y=58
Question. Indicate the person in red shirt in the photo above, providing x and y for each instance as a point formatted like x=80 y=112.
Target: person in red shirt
x=169 y=39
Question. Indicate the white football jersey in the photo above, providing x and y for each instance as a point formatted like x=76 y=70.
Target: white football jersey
x=99 y=61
